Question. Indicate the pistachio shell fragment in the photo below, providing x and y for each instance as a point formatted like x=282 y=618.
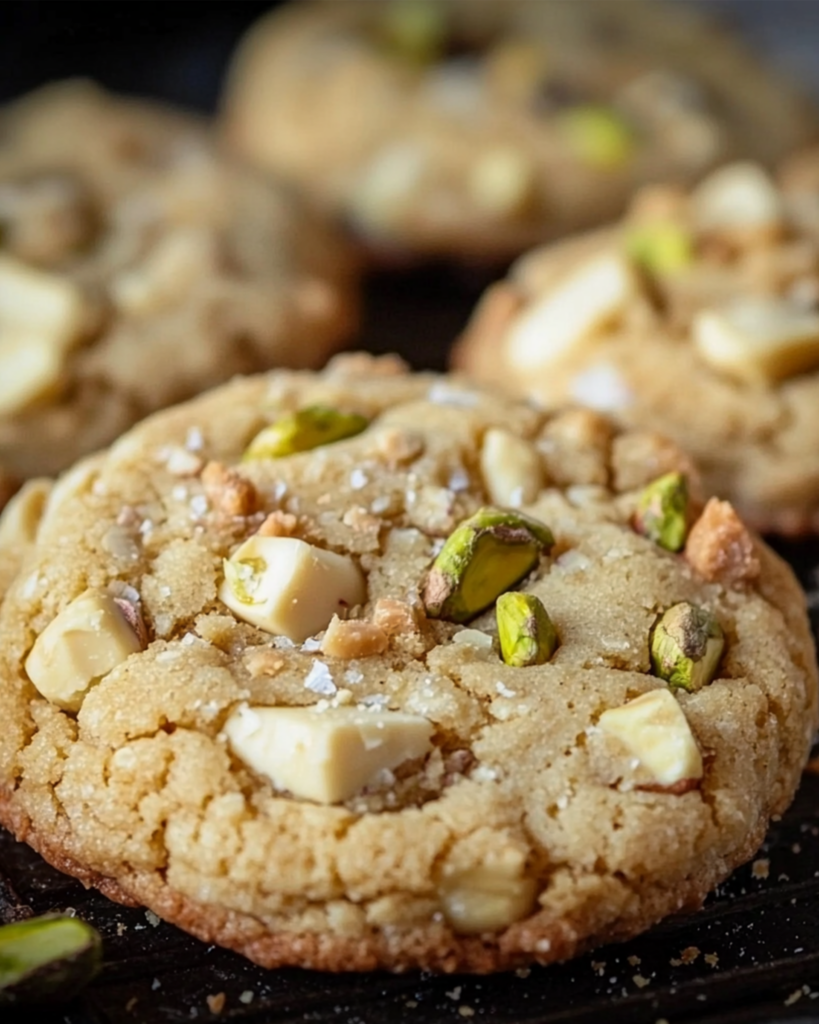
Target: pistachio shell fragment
x=686 y=645
x=660 y=247
x=661 y=513
x=598 y=136
x=46 y=959
x=527 y=635
x=303 y=430
x=483 y=557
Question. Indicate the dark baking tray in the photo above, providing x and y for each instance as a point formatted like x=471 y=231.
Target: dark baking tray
x=751 y=955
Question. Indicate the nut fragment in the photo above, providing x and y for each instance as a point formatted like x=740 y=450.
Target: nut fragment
x=661 y=247
x=88 y=638
x=662 y=510
x=740 y=197
x=583 y=304
x=486 y=554
x=511 y=468
x=686 y=645
x=353 y=638
x=325 y=754
x=286 y=586
x=526 y=632
x=654 y=729
x=758 y=339
x=598 y=136
x=395 y=617
x=228 y=491
x=46 y=959
x=488 y=897
x=304 y=430
x=720 y=547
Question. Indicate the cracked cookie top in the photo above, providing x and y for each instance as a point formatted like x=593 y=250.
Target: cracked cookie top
x=367 y=668
x=140 y=265
x=472 y=130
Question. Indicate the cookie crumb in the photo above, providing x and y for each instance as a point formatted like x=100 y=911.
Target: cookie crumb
x=711 y=959
x=216 y=1003
x=131 y=1004
x=640 y=981
x=523 y=972
x=228 y=491
x=455 y=993
x=634 y=961
x=466 y=1011
x=794 y=997
x=761 y=867
x=247 y=996
x=152 y=918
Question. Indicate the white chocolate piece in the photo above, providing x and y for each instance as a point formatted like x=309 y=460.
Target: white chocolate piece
x=654 y=729
x=325 y=754
x=167 y=274
x=488 y=897
x=21 y=516
x=511 y=468
x=584 y=303
x=89 y=638
x=288 y=587
x=740 y=196
x=758 y=339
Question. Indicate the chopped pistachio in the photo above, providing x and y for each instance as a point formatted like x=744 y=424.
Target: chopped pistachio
x=483 y=557
x=686 y=646
x=527 y=635
x=662 y=511
x=46 y=958
x=414 y=30
x=303 y=430
x=597 y=135
x=661 y=247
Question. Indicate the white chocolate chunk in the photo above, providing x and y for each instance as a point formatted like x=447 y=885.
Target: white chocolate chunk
x=739 y=196
x=30 y=368
x=167 y=274
x=488 y=897
x=328 y=754
x=758 y=339
x=82 y=644
x=21 y=516
x=286 y=586
x=581 y=305
x=502 y=181
x=654 y=729
x=511 y=468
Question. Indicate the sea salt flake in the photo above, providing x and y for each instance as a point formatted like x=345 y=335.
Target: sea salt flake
x=358 y=479
x=319 y=679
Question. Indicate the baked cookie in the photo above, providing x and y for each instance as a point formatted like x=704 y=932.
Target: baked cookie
x=698 y=315
x=139 y=266
x=366 y=669
x=474 y=130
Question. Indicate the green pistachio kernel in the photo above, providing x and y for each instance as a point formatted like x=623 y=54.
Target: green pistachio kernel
x=46 y=959
x=527 y=635
x=483 y=557
x=598 y=136
x=304 y=430
x=686 y=644
x=660 y=247
x=414 y=30
x=662 y=511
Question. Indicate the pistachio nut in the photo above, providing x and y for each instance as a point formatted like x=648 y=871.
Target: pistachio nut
x=46 y=959
x=483 y=557
x=300 y=431
x=686 y=644
x=661 y=247
x=661 y=513
x=597 y=135
x=527 y=635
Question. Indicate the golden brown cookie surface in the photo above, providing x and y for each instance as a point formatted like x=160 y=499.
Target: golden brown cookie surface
x=381 y=786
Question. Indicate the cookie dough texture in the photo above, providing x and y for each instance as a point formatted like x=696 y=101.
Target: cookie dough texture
x=526 y=833
x=697 y=315
x=473 y=130
x=138 y=266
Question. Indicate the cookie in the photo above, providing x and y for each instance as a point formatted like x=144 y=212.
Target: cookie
x=367 y=669
x=138 y=266
x=474 y=130
x=698 y=314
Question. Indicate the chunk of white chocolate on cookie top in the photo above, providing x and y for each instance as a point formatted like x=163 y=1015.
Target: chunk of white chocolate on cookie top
x=288 y=587
x=586 y=301
x=325 y=754
x=89 y=638
x=654 y=730
x=758 y=339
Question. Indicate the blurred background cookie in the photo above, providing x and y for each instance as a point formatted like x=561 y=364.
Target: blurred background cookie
x=470 y=130
x=697 y=314
x=138 y=265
